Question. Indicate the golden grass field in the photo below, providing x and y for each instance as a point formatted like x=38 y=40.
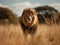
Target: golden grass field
x=45 y=35
x=11 y=32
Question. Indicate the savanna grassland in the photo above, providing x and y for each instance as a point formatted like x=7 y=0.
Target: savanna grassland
x=11 y=32
x=45 y=35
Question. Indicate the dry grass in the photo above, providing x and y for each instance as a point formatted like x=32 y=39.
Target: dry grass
x=48 y=35
x=11 y=35
x=45 y=35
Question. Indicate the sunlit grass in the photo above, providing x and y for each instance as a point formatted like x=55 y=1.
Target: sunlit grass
x=45 y=35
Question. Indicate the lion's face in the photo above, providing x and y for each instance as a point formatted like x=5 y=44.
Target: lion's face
x=29 y=17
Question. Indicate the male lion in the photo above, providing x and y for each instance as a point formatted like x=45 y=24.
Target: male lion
x=29 y=21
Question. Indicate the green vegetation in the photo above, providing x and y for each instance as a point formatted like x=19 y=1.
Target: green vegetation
x=38 y=9
x=7 y=16
x=48 y=15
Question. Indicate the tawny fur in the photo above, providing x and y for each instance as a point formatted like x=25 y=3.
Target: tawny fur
x=29 y=28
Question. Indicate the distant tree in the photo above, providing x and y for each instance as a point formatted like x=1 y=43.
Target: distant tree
x=45 y=12
x=7 y=15
x=45 y=8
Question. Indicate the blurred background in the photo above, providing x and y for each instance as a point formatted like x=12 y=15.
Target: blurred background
x=18 y=5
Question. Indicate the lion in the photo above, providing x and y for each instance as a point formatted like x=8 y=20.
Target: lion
x=29 y=21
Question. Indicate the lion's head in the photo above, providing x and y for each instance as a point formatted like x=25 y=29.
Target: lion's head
x=29 y=17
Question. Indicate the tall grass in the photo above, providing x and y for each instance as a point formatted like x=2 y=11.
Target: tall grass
x=45 y=35
x=11 y=35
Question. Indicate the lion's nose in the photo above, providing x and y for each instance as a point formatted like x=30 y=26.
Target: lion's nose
x=29 y=19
